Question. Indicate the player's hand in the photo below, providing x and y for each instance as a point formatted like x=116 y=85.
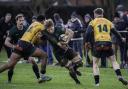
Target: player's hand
x=40 y=35
x=87 y=45
x=59 y=44
x=17 y=47
x=62 y=45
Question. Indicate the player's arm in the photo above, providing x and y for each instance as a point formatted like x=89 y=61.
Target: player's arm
x=8 y=43
x=46 y=36
x=87 y=36
x=9 y=38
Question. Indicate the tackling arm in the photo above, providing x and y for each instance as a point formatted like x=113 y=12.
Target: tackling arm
x=8 y=43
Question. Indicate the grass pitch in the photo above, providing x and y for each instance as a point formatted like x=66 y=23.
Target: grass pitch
x=24 y=78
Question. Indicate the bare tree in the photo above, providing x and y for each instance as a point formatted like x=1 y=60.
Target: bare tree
x=39 y=6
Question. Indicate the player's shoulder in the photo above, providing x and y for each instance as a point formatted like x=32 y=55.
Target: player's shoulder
x=13 y=29
x=36 y=24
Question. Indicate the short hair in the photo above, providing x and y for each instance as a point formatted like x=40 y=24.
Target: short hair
x=99 y=11
x=34 y=17
x=8 y=14
x=19 y=16
x=41 y=18
x=49 y=23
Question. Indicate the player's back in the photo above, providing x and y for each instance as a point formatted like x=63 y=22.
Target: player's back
x=101 y=28
x=32 y=31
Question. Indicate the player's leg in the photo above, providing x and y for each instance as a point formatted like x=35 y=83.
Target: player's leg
x=14 y=58
x=34 y=67
x=10 y=74
x=43 y=56
x=72 y=72
x=11 y=70
x=96 y=71
x=116 y=67
x=77 y=62
x=1 y=42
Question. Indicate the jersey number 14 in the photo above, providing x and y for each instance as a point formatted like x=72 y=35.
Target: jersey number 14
x=102 y=28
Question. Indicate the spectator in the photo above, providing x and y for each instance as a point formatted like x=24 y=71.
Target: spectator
x=58 y=20
x=5 y=25
x=87 y=19
x=120 y=25
x=75 y=25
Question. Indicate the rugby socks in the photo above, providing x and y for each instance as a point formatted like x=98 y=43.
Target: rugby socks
x=36 y=70
x=74 y=77
x=120 y=78
x=10 y=74
x=118 y=73
x=96 y=77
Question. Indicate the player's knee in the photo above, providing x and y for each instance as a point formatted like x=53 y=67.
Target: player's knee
x=10 y=70
x=10 y=65
x=77 y=59
x=69 y=65
x=95 y=65
x=79 y=64
x=32 y=61
x=44 y=56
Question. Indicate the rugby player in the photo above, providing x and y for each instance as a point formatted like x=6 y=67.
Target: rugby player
x=25 y=47
x=101 y=28
x=15 y=33
x=67 y=56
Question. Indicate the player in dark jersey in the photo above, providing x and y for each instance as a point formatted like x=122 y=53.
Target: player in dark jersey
x=15 y=33
x=25 y=47
x=101 y=28
x=59 y=38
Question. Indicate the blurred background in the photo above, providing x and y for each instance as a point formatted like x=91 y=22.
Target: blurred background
x=35 y=7
x=115 y=10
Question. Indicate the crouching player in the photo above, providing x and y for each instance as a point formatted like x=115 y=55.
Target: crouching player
x=25 y=48
x=64 y=54
x=101 y=28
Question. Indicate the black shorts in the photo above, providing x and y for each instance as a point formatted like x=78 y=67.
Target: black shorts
x=63 y=56
x=25 y=49
x=102 y=49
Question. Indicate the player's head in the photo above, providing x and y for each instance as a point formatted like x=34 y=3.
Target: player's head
x=34 y=18
x=41 y=18
x=98 y=12
x=56 y=17
x=20 y=19
x=8 y=17
x=49 y=25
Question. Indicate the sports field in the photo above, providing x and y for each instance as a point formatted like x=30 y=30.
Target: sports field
x=24 y=78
